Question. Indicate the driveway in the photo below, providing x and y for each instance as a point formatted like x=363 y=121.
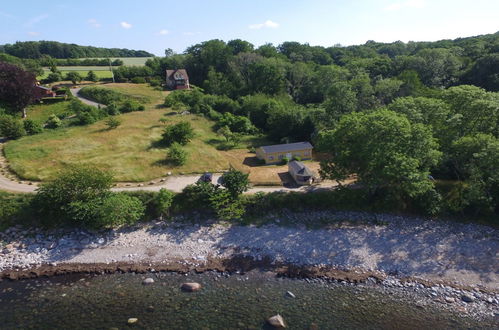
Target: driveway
x=76 y=93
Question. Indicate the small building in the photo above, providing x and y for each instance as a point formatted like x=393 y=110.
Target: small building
x=41 y=92
x=177 y=79
x=275 y=153
x=300 y=173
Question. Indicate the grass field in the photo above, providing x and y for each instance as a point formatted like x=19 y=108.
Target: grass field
x=41 y=112
x=82 y=70
x=132 y=61
x=129 y=151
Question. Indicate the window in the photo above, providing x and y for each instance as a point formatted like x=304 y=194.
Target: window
x=281 y=156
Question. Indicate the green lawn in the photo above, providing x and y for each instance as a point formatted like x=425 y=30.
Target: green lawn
x=41 y=112
x=130 y=151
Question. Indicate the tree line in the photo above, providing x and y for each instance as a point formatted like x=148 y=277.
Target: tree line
x=37 y=49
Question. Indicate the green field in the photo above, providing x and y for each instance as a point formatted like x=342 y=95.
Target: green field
x=130 y=151
x=103 y=72
x=41 y=112
x=132 y=61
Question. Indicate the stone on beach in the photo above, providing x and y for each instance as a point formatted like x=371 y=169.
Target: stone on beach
x=276 y=321
x=191 y=287
x=148 y=281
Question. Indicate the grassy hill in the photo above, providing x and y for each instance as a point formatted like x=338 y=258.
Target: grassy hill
x=130 y=151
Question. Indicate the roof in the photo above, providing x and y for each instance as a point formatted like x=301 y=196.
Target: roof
x=299 y=168
x=43 y=87
x=169 y=73
x=287 y=147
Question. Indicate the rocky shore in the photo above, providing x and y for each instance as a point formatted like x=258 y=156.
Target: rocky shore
x=451 y=263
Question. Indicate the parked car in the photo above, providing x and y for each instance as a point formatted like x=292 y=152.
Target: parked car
x=207 y=177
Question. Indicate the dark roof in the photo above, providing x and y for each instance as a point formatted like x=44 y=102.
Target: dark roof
x=170 y=73
x=287 y=147
x=299 y=168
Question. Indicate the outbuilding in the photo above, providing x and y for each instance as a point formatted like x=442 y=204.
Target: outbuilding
x=276 y=153
x=300 y=173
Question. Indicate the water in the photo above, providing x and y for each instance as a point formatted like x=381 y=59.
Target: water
x=236 y=302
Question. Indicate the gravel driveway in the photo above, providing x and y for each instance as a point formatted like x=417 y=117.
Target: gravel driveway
x=76 y=93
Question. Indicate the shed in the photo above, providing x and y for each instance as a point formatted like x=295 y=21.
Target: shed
x=300 y=173
x=275 y=153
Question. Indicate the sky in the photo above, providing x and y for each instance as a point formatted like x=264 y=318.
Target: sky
x=154 y=25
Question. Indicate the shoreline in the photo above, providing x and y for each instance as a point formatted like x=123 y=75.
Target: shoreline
x=467 y=301
x=448 y=261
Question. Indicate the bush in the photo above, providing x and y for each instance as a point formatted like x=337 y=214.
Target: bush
x=91 y=76
x=138 y=80
x=73 y=196
x=226 y=207
x=53 y=77
x=53 y=122
x=112 y=109
x=177 y=155
x=236 y=182
x=11 y=128
x=14 y=209
x=131 y=105
x=297 y=158
x=113 y=123
x=181 y=133
x=32 y=127
x=284 y=160
x=101 y=94
x=194 y=196
x=162 y=202
x=116 y=210
x=154 y=82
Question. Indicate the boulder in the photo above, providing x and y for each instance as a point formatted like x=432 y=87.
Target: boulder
x=148 y=281
x=467 y=298
x=191 y=287
x=132 y=320
x=276 y=321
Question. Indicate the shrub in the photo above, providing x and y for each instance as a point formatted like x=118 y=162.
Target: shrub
x=177 y=155
x=181 y=133
x=162 y=202
x=101 y=94
x=113 y=123
x=155 y=82
x=138 y=80
x=297 y=158
x=74 y=77
x=116 y=210
x=131 y=105
x=284 y=160
x=226 y=207
x=11 y=128
x=73 y=196
x=14 y=209
x=91 y=76
x=53 y=77
x=53 y=122
x=112 y=109
x=32 y=127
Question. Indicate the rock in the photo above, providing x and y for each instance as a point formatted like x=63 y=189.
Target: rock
x=467 y=298
x=132 y=320
x=191 y=287
x=276 y=321
x=450 y=300
x=290 y=294
x=169 y=173
x=148 y=281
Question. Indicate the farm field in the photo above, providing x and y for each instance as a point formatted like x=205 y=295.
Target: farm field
x=132 y=61
x=103 y=72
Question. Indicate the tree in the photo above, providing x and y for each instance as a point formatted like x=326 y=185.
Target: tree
x=181 y=133
x=17 y=87
x=91 y=76
x=236 y=182
x=383 y=149
x=74 y=76
x=177 y=155
x=225 y=132
x=163 y=202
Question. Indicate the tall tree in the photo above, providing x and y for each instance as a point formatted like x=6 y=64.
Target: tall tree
x=17 y=87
